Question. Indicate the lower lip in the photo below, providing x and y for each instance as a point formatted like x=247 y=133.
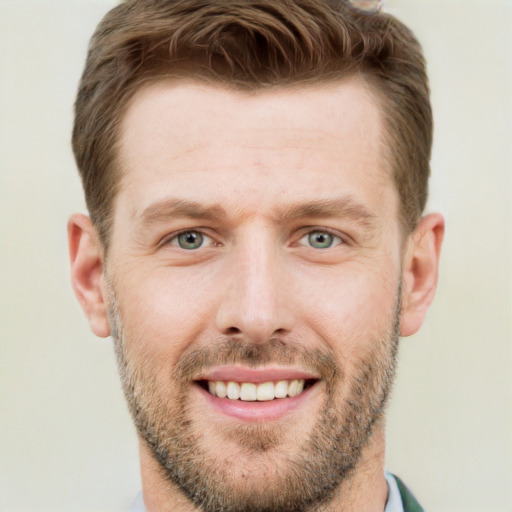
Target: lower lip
x=257 y=411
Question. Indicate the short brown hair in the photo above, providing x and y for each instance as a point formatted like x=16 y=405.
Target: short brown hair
x=250 y=44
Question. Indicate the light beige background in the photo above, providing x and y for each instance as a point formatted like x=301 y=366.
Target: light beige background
x=66 y=441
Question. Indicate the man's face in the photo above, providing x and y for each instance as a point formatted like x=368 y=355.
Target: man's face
x=256 y=251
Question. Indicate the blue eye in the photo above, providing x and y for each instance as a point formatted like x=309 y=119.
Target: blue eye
x=321 y=239
x=190 y=240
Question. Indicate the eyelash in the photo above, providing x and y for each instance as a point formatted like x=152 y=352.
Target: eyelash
x=336 y=239
x=173 y=239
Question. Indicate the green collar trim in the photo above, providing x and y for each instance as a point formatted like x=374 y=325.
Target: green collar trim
x=409 y=501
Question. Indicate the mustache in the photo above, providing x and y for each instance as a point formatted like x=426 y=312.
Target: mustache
x=229 y=351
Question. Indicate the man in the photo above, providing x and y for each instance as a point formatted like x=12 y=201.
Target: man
x=255 y=173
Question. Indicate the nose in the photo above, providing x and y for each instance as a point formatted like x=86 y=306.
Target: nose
x=256 y=301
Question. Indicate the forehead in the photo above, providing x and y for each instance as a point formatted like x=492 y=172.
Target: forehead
x=265 y=147
x=328 y=113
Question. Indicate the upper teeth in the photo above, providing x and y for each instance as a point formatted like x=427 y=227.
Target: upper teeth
x=250 y=392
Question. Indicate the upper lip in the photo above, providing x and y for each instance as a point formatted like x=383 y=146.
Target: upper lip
x=256 y=375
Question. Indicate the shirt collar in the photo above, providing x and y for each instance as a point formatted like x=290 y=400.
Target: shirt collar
x=394 y=502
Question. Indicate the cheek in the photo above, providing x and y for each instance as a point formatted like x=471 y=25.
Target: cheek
x=352 y=306
x=164 y=312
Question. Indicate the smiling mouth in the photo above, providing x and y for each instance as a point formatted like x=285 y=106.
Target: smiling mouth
x=257 y=392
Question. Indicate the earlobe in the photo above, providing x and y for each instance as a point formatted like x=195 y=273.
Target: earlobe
x=87 y=258
x=420 y=272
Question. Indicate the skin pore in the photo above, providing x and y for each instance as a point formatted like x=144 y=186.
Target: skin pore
x=256 y=239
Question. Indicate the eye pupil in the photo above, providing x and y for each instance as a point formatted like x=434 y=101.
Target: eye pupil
x=190 y=240
x=320 y=239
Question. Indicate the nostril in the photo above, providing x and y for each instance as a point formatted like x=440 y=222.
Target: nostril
x=233 y=330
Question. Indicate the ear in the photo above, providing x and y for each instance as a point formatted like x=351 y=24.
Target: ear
x=420 y=272
x=87 y=259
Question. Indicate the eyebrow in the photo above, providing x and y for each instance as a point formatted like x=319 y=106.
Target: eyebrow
x=342 y=207
x=162 y=211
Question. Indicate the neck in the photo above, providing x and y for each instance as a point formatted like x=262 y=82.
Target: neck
x=365 y=490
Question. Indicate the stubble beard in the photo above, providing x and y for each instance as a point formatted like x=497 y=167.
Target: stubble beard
x=299 y=482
